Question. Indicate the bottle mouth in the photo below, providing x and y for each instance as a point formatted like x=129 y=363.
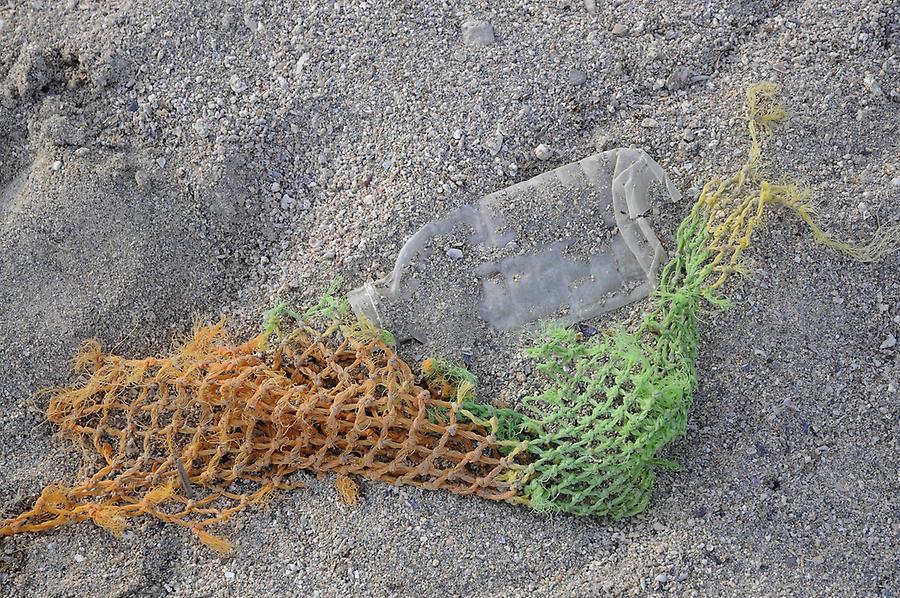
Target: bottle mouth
x=364 y=302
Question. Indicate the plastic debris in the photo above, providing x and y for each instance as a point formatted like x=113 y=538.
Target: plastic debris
x=194 y=437
x=197 y=436
x=347 y=489
x=567 y=245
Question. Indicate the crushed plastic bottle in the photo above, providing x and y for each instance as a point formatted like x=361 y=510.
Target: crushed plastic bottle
x=567 y=245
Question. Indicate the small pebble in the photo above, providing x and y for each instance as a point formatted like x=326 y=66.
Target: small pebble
x=543 y=152
x=229 y=575
x=649 y=123
x=56 y=166
x=619 y=29
x=872 y=85
x=454 y=254
x=662 y=578
x=201 y=127
x=587 y=330
x=577 y=77
x=237 y=86
x=161 y=162
x=301 y=62
x=680 y=78
x=890 y=342
x=476 y=32
x=79 y=558
x=286 y=201
x=895 y=182
x=494 y=143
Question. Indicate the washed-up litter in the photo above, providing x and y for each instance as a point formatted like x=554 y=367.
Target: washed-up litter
x=197 y=436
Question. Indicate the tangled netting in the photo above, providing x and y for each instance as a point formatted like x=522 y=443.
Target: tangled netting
x=197 y=436
x=614 y=401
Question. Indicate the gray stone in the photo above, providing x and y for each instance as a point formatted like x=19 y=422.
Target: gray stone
x=454 y=254
x=494 y=143
x=543 y=152
x=301 y=63
x=680 y=78
x=201 y=127
x=236 y=84
x=872 y=85
x=476 y=32
x=577 y=77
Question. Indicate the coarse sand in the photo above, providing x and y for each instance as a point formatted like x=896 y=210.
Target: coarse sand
x=171 y=159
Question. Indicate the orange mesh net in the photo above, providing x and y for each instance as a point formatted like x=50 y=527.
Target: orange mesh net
x=195 y=437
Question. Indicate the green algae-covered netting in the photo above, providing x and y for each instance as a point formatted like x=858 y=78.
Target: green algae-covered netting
x=613 y=401
x=196 y=436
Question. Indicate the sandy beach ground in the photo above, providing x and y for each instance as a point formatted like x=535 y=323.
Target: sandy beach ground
x=170 y=158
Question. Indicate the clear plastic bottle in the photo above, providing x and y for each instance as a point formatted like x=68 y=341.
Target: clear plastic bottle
x=567 y=245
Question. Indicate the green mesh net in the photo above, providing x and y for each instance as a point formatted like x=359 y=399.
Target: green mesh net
x=612 y=402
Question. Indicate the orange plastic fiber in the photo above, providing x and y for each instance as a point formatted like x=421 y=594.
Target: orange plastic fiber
x=195 y=437
x=347 y=489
